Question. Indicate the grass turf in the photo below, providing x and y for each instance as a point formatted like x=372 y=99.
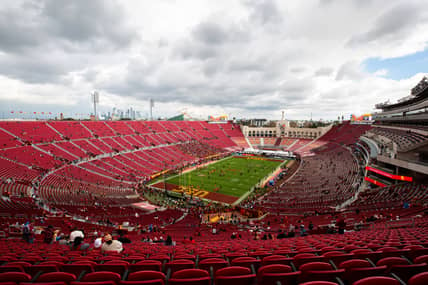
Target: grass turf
x=233 y=176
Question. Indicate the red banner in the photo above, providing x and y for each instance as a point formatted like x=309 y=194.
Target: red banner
x=375 y=182
x=389 y=175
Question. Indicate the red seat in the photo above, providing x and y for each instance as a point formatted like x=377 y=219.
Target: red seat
x=58 y=258
x=246 y=261
x=23 y=264
x=117 y=261
x=44 y=283
x=354 y=263
x=117 y=268
x=160 y=257
x=366 y=253
x=405 y=272
x=179 y=264
x=77 y=269
x=377 y=280
x=15 y=277
x=421 y=259
x=191 y=277
x=148 y=282
x=133 y=259
x=94 y=283
x=259 y=254
x=56 y=276
x=319 y=271
x=311 y=266
x=11 y=268
x=185 y=256
x=210 y=255
x=416 y=251
x=354 y=274
x=234 y=275
x=350 y=265
x=145 y=265
x=146 y=276
x=390 y=261
x=34 y=269
x=101 y=276
x=273 y=273
x=337 y=257
x=214 y=263
x=318 y=283
x=303 y=258
x=276 y=259
x=419 y=279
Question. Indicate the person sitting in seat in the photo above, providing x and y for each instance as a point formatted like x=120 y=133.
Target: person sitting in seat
x=111 y=245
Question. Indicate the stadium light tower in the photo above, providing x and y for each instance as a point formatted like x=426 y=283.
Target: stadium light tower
x=152 y=104
x=95 y=99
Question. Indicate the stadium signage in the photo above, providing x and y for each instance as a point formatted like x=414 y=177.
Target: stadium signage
x=389 y=175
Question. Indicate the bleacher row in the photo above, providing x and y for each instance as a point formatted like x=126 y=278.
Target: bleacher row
x=114 y=154
x=403 y=139
x=324 y=180
x=352 y=258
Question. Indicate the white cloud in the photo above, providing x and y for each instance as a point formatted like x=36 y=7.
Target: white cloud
x=244 y=58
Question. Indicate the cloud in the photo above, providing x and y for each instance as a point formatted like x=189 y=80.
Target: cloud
x=244 y=58
x=44 y=40
x=265 y=12
x=324 y=71
x=393 y=24
x=350 y=70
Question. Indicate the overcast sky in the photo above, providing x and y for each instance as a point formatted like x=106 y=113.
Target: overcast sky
x=244 y=58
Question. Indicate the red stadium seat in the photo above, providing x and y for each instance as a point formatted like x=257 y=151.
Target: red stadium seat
x=234 y=275
x=56 y=276
x=273 y=273
x=191 y=277
x=15 y=277
x=419 y=279
x=102 y=276
x=377 y=280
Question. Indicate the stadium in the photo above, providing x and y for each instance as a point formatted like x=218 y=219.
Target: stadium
x=119 y=198
x=222 y=197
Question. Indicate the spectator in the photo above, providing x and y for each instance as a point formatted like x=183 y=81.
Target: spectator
x=302 y=230
x=77 y=244
x=27 y=232
x=168 y=240
x=123 y=239
x=311 y=226
x=98 y=242
x=76 y=233
x=341 y=225
x=111 y=245
x=48 y=235
x=291 y=230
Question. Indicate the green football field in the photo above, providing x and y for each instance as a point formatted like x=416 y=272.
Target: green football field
x=233 y=176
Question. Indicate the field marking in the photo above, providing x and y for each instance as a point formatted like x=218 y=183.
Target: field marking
x=205 y=192
x=188 y=170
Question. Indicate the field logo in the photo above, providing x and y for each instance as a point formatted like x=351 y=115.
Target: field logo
x=189 y=190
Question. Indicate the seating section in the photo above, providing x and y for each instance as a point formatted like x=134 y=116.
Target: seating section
x=403 y=139
x=323 y=181
x=352 y=258
x=33 y=132
x=391 y=197
x=86 y=174
x=80 y=163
